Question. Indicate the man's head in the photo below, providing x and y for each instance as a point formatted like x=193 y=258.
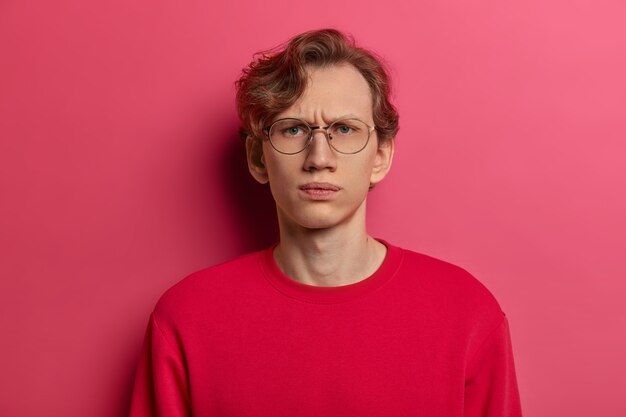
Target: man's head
x=275 y=80
x=318 y=100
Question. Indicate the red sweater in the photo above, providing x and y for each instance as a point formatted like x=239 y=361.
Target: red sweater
x=420 y=337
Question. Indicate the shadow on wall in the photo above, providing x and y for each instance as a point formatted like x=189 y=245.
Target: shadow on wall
x=255 y=211
x=250 y=221
x=126 y=381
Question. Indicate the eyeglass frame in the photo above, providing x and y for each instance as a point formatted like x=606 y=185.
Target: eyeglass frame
x=268 y=129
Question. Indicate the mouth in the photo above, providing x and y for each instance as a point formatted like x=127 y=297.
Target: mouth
x=320 y=186
x=320 y=190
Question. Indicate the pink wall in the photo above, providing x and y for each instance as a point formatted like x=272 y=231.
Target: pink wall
x=121 y=173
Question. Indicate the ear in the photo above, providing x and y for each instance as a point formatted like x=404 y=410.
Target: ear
x=256 y=161
x=382 y=162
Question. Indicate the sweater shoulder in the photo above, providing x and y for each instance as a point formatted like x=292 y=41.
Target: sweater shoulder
x=451 y=284
x=208 y=286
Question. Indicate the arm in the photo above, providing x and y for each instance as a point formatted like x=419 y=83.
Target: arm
x=490 y=382
x=161 y=387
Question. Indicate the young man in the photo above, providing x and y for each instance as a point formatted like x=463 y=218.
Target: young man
x=329 y=321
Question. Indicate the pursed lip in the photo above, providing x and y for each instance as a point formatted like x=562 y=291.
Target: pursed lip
x=325 y=186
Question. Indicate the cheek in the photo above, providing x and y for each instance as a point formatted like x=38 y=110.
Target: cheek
x=280 y=172
x=360 y=177
x=366 y=165
x=273 y=165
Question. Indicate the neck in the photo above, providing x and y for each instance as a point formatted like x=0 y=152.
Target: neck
x=339 y=255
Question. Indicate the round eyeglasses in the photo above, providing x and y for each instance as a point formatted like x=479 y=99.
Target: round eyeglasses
x=291 y=136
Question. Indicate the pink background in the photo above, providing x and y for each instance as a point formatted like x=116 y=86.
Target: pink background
x=121 y=173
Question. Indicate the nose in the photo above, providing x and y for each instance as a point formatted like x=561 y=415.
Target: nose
x=319 y=154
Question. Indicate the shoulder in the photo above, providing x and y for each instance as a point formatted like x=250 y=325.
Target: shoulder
x=445 y=285
x=443 y=275
x=209 y=286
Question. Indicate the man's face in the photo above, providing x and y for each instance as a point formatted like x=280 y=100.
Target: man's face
x=319 y=187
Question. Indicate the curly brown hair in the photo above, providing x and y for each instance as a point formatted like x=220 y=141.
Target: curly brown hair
x=276 y=78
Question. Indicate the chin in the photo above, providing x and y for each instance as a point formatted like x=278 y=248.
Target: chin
x=317 y=218
x=316 y=222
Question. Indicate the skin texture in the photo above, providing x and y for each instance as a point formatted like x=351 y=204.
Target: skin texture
x=325 y=242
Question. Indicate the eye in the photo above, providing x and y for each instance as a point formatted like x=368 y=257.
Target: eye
x=344 y=130
x=293 y=131
x=289 y=129
x=347 y=128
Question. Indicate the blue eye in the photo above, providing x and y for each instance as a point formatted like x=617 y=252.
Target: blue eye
x=293 y=131
x=346 y=128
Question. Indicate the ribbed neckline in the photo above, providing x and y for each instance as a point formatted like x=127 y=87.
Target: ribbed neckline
x=330 y=295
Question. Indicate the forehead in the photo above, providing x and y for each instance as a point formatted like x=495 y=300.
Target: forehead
x=332 y=92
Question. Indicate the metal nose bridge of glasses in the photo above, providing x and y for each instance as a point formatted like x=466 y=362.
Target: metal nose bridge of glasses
x=324 y=129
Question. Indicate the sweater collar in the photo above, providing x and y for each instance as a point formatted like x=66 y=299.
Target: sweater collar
x=329 y=295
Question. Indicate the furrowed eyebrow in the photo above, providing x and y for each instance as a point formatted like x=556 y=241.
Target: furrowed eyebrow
x=296 y=117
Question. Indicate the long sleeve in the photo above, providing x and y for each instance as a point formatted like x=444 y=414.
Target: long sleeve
x=161 y=388
x=491 y=385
